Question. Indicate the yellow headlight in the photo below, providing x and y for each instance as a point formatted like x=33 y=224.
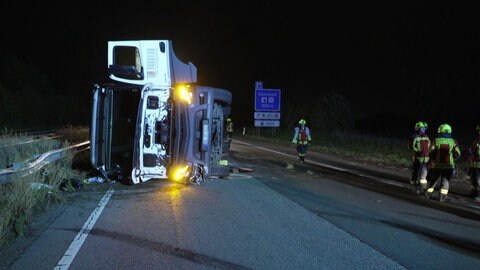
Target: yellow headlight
x=183 y=93
x=180 y=173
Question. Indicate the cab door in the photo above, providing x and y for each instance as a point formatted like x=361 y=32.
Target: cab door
x=100 y=128
x=112 y=128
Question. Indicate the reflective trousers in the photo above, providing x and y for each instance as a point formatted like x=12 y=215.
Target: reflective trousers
x=444 y=175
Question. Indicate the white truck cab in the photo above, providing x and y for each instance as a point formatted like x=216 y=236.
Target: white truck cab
x=152 y=121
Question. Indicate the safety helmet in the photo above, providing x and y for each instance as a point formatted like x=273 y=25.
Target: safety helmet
x=302 y=122
x=444 y=128
x=420 y=124
x=229 y=120
x=478 y=128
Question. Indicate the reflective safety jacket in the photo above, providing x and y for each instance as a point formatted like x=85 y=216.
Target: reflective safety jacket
x=475 y=153
x=302 y=135
x=230 y=127
x=419 y=144
x=444 y=151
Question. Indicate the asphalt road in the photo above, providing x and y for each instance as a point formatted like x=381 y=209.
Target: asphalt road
x=282 y=215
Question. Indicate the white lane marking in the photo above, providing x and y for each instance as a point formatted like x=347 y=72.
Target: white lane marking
x=294 y=157
x=394 y=183
x=77 y=242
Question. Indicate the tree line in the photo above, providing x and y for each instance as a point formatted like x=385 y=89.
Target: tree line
x=30 y=100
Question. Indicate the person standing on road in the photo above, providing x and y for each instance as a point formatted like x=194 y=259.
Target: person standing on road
x=229 y=129
x=473 y=155
x=302 y=138
x=419 y=144
x=444 y=152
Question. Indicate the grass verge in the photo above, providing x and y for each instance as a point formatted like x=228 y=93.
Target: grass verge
x=26 y=196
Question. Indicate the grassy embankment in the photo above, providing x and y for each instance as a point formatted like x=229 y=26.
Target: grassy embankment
x=24 y=197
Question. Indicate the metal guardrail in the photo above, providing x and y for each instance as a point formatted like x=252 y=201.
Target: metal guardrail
x=27 y=168
x=34 y=140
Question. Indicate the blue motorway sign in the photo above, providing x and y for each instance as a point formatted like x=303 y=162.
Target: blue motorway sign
x=267 y=99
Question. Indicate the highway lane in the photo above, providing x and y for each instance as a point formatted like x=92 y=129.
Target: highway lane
x=386 y=179
x=282 y=215
x=380 y=211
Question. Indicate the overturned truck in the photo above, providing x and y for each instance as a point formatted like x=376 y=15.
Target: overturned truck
x=153 y=122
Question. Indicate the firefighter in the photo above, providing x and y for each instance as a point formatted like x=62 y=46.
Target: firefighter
x=419 y=144
x=473 y=155
x=302 y=138
x=443 y=153
x=229 y=129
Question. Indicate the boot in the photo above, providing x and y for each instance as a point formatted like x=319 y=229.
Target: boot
x=423 y=187
x=443 y=195
x=428 y=195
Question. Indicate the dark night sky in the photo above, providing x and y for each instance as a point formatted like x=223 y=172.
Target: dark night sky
x=377 y=55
